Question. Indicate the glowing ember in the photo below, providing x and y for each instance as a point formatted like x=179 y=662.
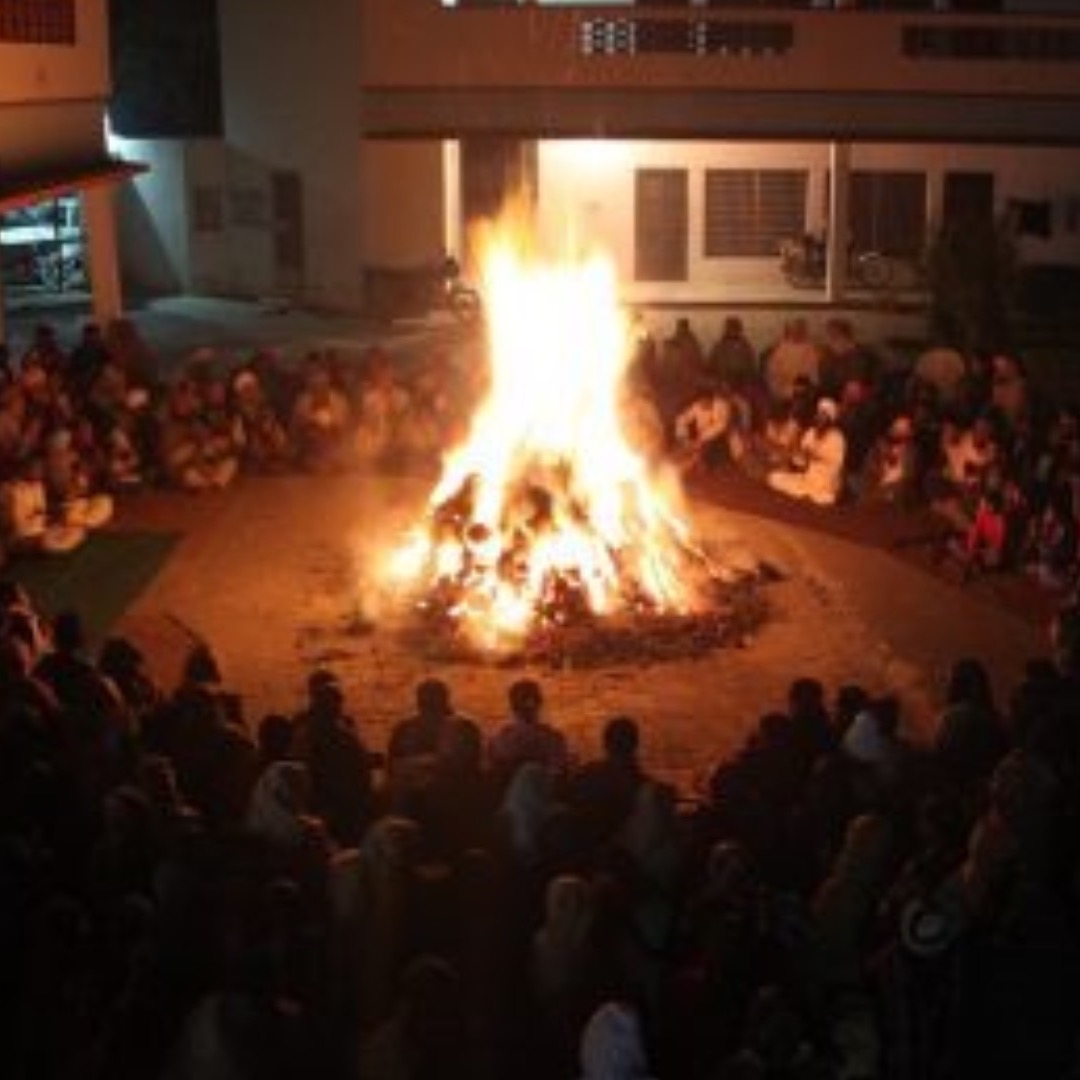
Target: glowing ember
x=546 y=518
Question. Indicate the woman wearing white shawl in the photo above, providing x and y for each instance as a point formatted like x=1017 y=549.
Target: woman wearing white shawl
x=276 y=812
x=560 y=952
x=526 y=808
x=650 y=834
x=611 y=1045
x=369 y=891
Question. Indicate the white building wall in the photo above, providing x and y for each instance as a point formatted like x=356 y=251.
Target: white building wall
x=397 y=208
x=153 y=219
x=588 y=187
x=51 y=97
x=1027 y=173
x=37 y=136
x=52 y=127
x=293 y=109
x=209 y=249
x=166 y=246
x=586 y=190
x=401 y=186
x=249 y=255
x=60 y=73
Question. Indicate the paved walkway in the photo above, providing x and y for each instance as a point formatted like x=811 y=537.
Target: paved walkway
x=175 y=326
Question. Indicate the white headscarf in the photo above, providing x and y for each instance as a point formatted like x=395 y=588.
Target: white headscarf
x=559 y=944
x=865 y=741
x=275 y=811
x=611 y=1046
x=650 y=834
x=828 y=408
x=526 y=806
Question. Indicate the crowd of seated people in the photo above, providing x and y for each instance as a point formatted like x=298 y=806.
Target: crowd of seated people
x=823 y=421
x=193 y=892
x=828 y=421
x=79 y=427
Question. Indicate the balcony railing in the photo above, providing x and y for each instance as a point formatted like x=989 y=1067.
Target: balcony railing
x=1022 y=10
x=1024 y=42
x=419 y=44
x=705 y=71
x=38 y=22
x=699 y=37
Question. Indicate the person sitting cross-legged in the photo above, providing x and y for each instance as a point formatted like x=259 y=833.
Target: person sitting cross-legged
x=320 y=423
x=526 y=737
x=27 y=524
x=1053 y=543
x=69 y=486
x=888 y=473
x=709 y=431
x=264 y=441
x=192 y=457
x=325 y=738
x=417 y=743
x=603 y=792
x=984 y=545
x=817 y=466
x=771 y=445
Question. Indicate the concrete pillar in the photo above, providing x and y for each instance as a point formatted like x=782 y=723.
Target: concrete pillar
x=453 y=223
x=935 y=202
x=99 y=214
x=836 y=255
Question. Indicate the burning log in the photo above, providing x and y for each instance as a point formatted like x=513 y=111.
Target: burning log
x=547 y=537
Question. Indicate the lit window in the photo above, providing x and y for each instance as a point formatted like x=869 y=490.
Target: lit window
x=661 y=219
x=749 y=212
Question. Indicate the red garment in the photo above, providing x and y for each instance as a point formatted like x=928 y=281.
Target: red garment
x=987 y=533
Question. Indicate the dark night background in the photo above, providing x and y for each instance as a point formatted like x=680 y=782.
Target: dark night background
x=166 y=68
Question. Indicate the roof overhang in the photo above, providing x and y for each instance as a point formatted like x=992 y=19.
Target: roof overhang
x=667 y=113
x=27 y=188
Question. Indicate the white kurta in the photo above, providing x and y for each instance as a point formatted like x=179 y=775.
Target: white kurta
x=822 y=479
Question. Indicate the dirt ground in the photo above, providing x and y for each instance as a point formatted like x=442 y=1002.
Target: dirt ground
x=271 y=572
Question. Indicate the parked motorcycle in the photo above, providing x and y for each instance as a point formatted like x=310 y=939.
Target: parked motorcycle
x=456 y=295
x=422 y=289
x=804 y=263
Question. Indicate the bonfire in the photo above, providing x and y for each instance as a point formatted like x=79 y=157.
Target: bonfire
x=548 y=534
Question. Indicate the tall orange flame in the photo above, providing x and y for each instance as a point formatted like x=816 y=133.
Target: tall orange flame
x=545 y=513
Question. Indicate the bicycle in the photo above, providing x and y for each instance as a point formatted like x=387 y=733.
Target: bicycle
x=804 y=264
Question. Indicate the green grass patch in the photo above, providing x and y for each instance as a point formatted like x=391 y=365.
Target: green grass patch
x=100 y=580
